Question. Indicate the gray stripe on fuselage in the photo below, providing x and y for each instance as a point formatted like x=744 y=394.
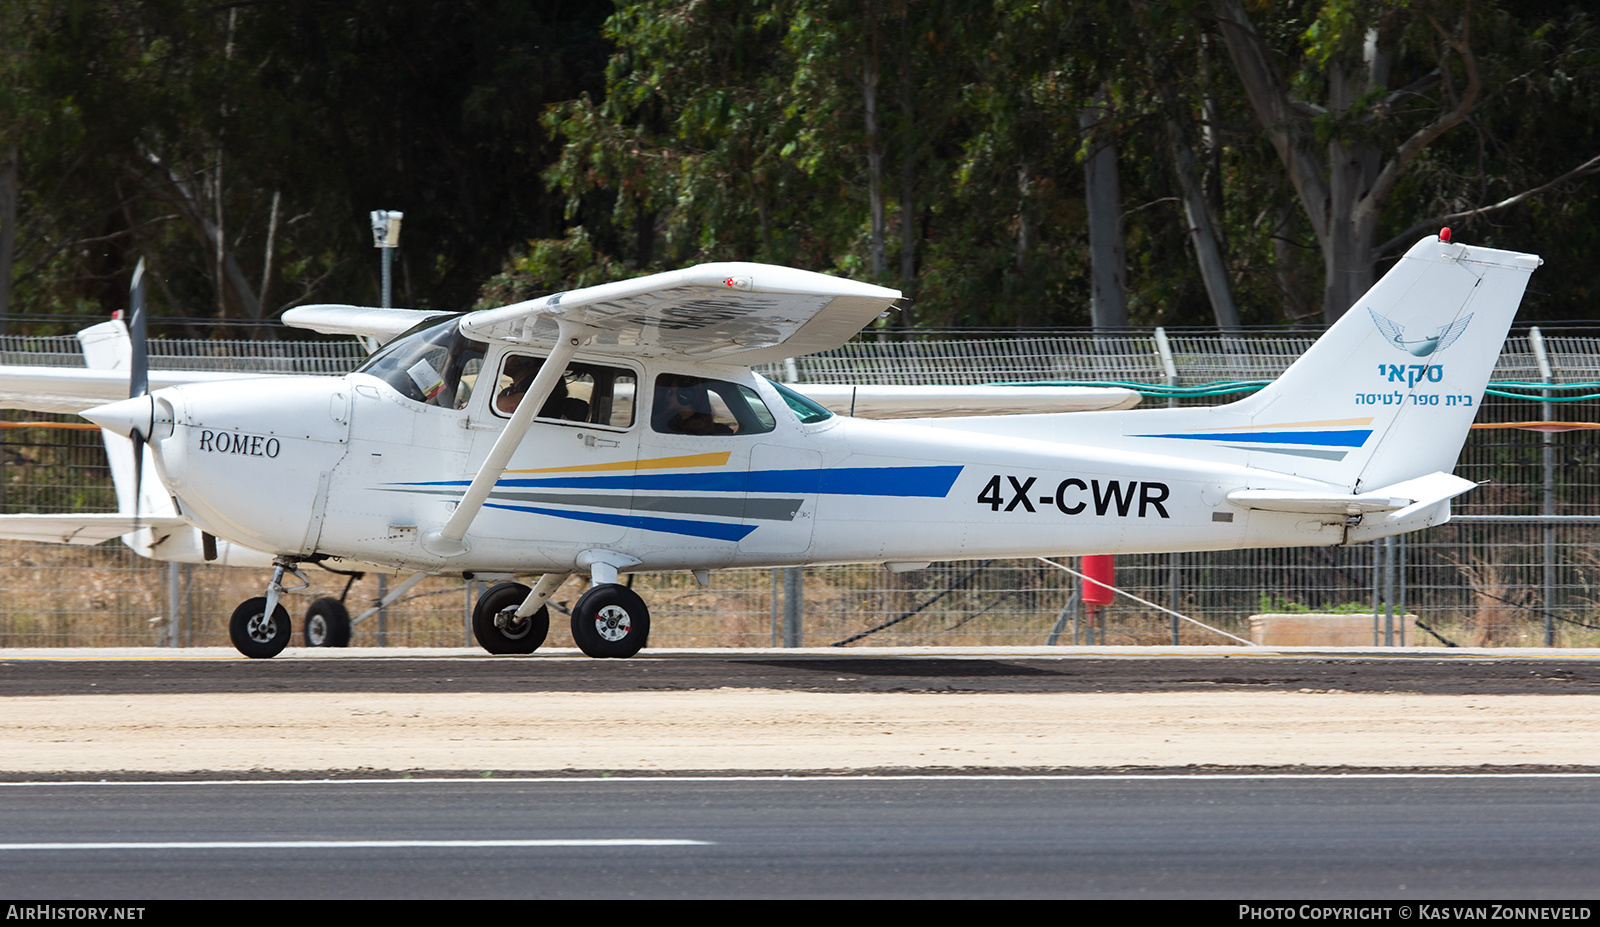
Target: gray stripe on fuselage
x=1291 y=451
x=761 y=508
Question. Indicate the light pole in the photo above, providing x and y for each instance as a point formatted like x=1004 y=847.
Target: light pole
x=386 y=238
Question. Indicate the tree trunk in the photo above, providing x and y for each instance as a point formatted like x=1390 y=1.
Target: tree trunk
x=1202 y=230
x=1344 y=187
x=8 y=229
x=911 y=148
x=177 y=193
x=1027 y=228
x=1108 y=301
x=869 y=91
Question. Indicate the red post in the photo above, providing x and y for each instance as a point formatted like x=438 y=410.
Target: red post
x=1101 y=567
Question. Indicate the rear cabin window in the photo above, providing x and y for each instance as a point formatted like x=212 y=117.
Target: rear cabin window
x=690 y=405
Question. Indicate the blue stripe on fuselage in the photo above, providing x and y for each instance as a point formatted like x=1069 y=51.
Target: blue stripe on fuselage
x=933 y=482
x=1317 y=438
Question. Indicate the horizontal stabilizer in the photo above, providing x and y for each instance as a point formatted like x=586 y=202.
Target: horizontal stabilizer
x=81 y=529
x=1399 y=500
x=369 y=321
x=882 y=402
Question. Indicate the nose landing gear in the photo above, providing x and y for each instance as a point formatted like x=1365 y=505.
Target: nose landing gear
x=259 y=627
x=256 y=632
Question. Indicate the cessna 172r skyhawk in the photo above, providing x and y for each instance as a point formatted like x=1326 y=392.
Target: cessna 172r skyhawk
x=619 y=429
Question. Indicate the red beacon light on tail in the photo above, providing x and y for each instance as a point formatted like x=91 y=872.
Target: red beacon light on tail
x=1444 y=234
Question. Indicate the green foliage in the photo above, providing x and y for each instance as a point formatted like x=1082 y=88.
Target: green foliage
x=1276 y=605
x=933 y=146
x=148 y=125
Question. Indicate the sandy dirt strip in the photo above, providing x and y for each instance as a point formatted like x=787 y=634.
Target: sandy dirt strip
x=734 y=729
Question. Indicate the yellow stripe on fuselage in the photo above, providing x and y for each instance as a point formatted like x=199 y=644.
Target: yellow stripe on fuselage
x=658 y=463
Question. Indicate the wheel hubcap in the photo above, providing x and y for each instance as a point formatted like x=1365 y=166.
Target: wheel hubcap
x=511 y=626
x=261 y=629
x=613 y=623
x=317 y=630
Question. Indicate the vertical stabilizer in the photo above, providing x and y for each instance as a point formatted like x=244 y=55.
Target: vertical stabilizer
x=1389 y=392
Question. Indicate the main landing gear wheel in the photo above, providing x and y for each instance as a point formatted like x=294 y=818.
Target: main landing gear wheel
x=610 y=621
x=327 y=624
x=257 y=634
x=498 y=629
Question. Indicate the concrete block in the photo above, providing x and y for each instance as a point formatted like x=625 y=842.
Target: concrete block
x=1322 y=630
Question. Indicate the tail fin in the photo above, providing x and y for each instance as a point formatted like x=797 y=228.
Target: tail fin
x=1389 y=392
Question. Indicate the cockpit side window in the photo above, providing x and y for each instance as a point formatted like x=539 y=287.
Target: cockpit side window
x=435 y=365
x=690 y=405
x=588 y=393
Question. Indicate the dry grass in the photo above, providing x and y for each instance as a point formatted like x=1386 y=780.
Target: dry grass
x=53 y=596
x=1497 y=616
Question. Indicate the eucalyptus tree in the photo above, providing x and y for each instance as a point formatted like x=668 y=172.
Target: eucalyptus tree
x=1365 y=90
x=238 y=147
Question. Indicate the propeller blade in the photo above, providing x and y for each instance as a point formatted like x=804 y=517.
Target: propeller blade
x=138 y=377
x=139 y=372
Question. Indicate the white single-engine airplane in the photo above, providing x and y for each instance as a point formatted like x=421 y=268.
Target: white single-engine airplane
x=619 y=429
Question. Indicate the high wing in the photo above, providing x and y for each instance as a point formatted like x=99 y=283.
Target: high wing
x=366 y=321
x=737 y=313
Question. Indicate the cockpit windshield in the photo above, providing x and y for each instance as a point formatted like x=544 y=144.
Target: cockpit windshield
x=432 y=363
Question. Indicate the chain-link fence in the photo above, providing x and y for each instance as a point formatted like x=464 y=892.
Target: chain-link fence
x=1519 y=566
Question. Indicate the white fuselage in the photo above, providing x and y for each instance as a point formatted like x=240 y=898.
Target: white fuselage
x=350 y=468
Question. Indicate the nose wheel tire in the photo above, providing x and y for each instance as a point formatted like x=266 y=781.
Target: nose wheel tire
x=499 y=630
x=610 y=621
x=257 y=634
x=327 y=624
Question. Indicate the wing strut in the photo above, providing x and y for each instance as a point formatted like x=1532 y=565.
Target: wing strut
x=447 y=541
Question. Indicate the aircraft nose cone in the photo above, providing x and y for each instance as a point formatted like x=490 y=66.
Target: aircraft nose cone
x=124 y=416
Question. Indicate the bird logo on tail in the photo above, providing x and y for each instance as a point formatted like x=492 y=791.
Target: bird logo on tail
x=1420 y=347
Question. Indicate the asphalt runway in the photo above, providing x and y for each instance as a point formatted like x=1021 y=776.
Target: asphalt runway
x=1149 y=670
x=1397 y=838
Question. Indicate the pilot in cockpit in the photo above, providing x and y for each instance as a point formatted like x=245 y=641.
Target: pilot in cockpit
x=521 y=370
x=683 y=407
